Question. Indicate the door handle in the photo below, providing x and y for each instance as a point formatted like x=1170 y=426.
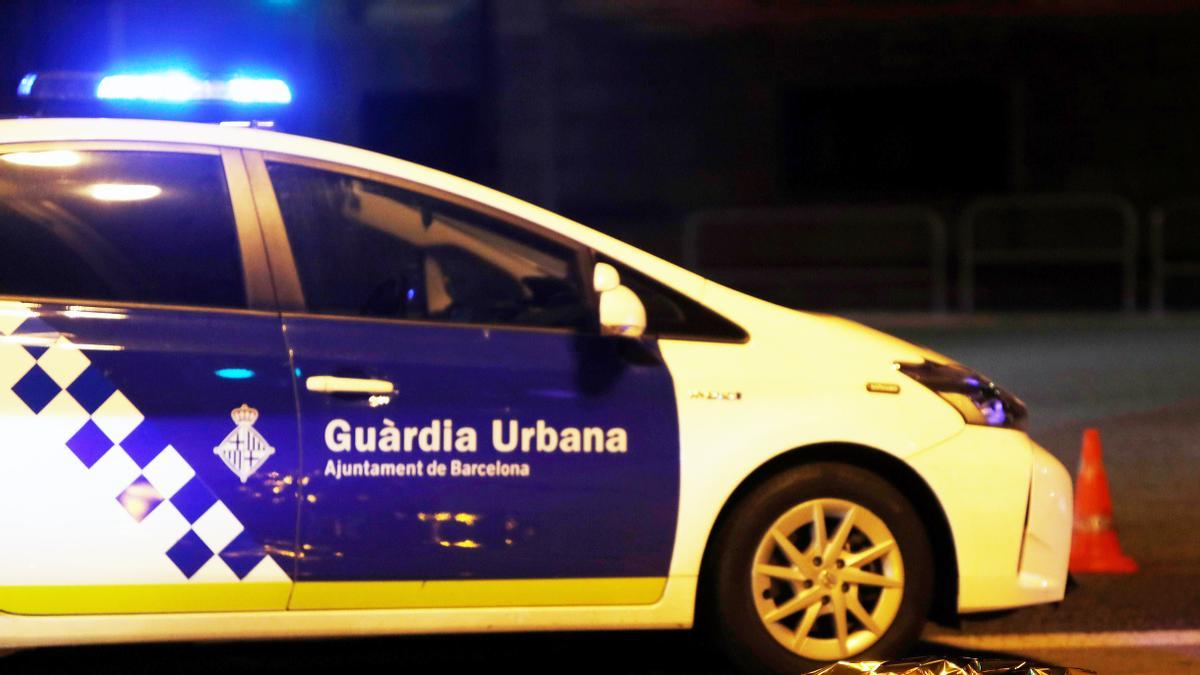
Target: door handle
x=330 y=384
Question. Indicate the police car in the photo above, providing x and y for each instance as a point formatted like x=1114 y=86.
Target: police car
x=254 y=385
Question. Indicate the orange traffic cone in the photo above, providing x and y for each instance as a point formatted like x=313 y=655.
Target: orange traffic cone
x=1094 y=545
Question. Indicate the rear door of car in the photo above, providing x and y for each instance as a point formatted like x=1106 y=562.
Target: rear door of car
x=469 y=439
x=148 y=443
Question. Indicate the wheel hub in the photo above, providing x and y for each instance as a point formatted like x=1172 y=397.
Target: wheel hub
x=828 y=579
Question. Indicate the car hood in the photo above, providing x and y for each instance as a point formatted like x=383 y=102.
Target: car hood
x=826 y=337
x=855 y=340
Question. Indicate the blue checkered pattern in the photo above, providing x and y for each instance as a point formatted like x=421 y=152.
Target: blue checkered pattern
x=144 y=443
x=194 y=499
x=140 y=498
x=189 y=554
x=214 y=535
x=91 y=389
x=89 y=444
x=242 y=555
x=36 y=389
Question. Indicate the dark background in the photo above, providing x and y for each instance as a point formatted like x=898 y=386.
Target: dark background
x=640 y=116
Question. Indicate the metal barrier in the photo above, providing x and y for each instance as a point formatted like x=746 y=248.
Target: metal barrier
x=793 y=247
x=1060 y=245
x=1164 y=263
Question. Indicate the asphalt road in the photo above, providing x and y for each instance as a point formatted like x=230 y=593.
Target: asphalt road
x=1136 y=380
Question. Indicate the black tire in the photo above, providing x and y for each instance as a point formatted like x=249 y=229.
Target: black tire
x=729 y=608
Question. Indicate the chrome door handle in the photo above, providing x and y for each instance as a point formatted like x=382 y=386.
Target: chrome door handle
x=330 y=384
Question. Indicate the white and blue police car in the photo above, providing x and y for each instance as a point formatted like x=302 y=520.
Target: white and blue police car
x=256 y=386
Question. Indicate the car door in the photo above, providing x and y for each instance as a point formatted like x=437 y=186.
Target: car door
x=147 y=419
x=469 y=439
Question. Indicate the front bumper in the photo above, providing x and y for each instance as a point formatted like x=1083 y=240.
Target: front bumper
x=1008 y=502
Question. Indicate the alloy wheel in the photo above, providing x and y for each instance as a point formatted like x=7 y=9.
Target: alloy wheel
x=827 y=579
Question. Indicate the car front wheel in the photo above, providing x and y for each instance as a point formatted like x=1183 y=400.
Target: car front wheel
x=819 y=563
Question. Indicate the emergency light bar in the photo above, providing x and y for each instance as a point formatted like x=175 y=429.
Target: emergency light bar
x=179 y=87
x=166 y=87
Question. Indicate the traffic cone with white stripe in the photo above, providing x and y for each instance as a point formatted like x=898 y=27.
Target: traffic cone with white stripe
x=1094 y=545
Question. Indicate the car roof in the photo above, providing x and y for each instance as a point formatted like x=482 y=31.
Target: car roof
x=43 y=130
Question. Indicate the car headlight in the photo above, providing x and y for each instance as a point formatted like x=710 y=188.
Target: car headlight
x=974 y=396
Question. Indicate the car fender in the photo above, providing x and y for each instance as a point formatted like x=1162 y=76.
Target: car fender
x=739 y=409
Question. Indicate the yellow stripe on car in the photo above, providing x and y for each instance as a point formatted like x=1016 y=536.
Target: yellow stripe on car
x=165 y=598
x=477 y=593
x=143 y=598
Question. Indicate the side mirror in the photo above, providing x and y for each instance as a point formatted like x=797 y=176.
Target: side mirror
x=621 y=312
x=605 y=277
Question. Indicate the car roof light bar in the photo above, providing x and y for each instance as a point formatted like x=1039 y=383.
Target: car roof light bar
x=164 y=87
x=180 y=87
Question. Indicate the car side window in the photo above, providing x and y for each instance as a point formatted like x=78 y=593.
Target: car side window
x=673 y=315
x=150 y=227
x=365 y=248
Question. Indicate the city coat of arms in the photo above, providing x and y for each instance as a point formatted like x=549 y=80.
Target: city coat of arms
x=244 y=450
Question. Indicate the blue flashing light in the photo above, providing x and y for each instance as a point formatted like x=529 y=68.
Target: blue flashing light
x=169 y=87
x=235 y=373
x=25 y=88
x=177 y=86
x=257 y=90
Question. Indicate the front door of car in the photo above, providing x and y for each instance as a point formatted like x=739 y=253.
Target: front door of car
x=468 y=437
x=149 y=425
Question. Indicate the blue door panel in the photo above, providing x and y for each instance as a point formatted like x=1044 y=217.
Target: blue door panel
x=574 y=515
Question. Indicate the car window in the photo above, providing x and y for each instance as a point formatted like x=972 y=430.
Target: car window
x=153 y=227
x=672 y=315
x=365 y=248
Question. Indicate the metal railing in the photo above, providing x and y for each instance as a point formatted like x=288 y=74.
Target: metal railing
x=822 y=248
x=1166 y=264
x=887 y=251
x=1048 y=230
